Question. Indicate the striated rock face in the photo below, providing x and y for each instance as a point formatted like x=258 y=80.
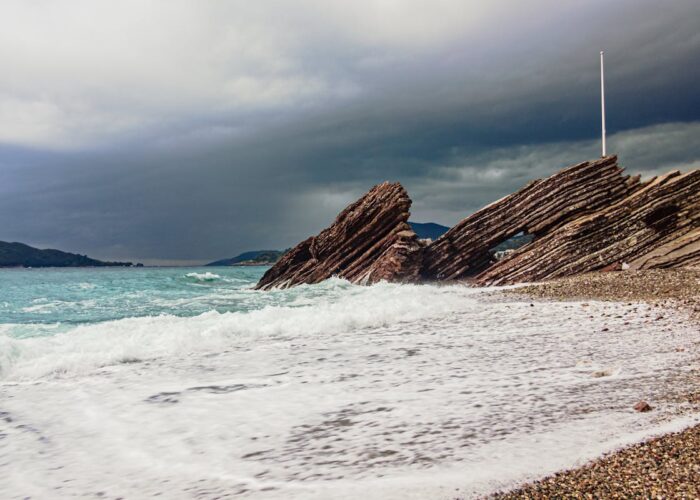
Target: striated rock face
x=683 y=251
x=369 y=241
x=587 y=217
x=658 y=225
x=537 y=209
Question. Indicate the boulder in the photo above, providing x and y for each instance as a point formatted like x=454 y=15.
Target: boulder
x=369 y=241
x=642 y=407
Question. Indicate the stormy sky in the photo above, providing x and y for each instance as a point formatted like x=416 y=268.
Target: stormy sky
x=186 y=131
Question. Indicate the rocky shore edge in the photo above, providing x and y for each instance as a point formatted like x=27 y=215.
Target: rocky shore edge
x=667 y=466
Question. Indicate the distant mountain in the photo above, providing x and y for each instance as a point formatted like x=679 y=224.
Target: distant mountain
x=428 y=230
x=253 y=258
x=21 y=255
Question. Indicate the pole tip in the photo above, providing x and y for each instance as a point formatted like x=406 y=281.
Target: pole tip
x=601 y=52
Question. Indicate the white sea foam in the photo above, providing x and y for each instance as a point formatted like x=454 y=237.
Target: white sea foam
x=333 y=391
x=87 y=347
x=207 y=276
x=40 y=308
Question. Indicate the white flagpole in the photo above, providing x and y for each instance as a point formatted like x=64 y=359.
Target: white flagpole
x=602 y=99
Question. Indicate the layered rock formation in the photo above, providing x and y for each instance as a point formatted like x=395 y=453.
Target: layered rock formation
x=537 y=209
x=679 y=252
x=584 y=218
x=658 y=225
x=369 y=241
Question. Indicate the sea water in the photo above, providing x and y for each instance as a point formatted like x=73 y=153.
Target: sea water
x=187 y=383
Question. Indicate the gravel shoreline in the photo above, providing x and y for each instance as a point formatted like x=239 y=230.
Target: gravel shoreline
x=668 y=288
x=662 y=467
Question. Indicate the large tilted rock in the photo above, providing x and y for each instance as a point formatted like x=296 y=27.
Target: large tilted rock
x=537 y=209
x=658 y=225
x=369 y=241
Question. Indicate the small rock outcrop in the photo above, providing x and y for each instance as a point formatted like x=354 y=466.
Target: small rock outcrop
x=537 y=209
x=369 y=241
x=658 y=225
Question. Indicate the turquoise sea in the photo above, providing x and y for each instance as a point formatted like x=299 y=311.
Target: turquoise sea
x=47 y=301
x=187 y=383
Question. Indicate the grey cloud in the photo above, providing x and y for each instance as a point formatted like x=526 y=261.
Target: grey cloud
x=461 y=116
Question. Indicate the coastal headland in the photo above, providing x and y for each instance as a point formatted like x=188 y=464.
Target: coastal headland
x=584 y=218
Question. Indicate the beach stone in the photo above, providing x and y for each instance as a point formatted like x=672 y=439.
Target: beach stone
x=615 y=266
x=643 y=407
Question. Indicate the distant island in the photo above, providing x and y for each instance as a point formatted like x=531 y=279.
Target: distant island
x=21 y=255
x=252 y=258
x=428 y=230
x=424 y=230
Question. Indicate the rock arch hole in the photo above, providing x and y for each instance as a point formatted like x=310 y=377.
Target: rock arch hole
x=662 y=217
x=509 y=245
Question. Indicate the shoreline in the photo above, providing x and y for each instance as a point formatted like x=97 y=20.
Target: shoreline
x=667 y=465
x=677 y=289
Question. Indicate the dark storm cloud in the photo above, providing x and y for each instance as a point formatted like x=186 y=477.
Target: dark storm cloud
x=460 y=122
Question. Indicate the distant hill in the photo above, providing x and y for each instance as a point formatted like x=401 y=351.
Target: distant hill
x=21 y=255
x=253 y=258
x=428 y=230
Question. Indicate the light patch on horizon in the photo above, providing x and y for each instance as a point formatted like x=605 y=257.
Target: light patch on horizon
x=471 y=182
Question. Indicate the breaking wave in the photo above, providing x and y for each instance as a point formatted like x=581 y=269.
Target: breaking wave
x=342 y=308
x=203 y=276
